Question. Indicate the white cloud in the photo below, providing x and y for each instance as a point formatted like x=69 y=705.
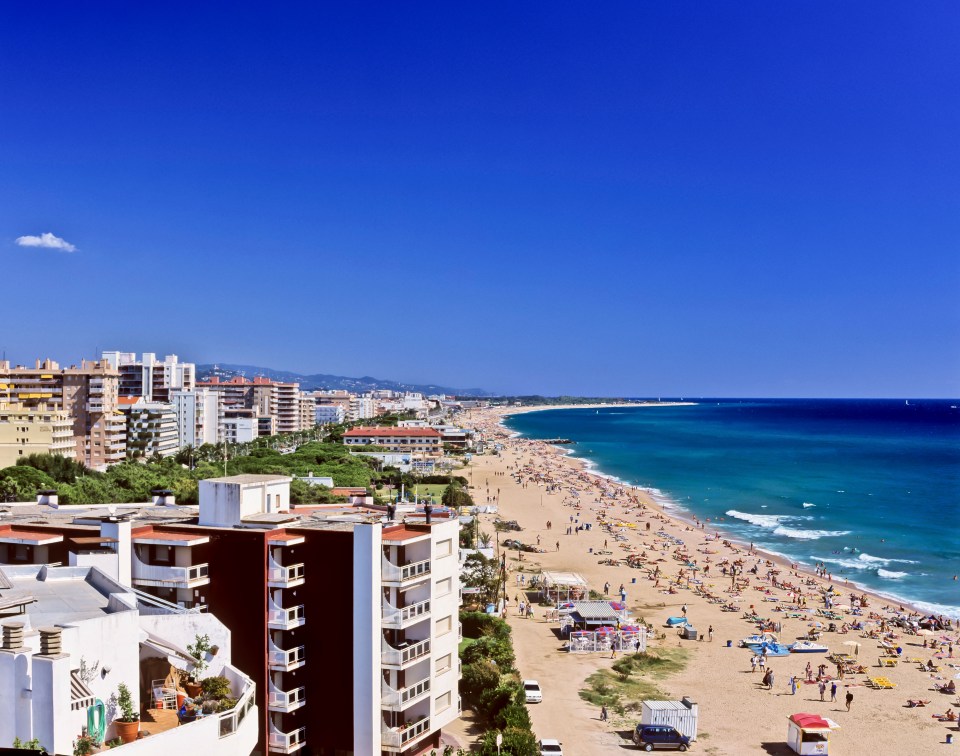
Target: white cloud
x=48 y=241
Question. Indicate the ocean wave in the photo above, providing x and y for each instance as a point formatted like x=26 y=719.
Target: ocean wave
x=807 y=535
x=890 y=574
x=869 y=559
x=762 y=520
x=863 y=562
x=807 y=505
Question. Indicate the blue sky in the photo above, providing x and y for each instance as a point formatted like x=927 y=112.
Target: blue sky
x=675 y=198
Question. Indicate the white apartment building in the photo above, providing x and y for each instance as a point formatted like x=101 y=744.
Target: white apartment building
x=361 y=408
x=151 y=428
x=149 y=377
x=238 y=429
x=329 y=414
x=198 y=416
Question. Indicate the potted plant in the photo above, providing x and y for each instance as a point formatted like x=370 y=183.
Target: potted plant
x=198 y=650
x=128 y=723
x=83 y=745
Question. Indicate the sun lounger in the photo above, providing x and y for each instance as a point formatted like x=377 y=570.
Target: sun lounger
x=888 y=662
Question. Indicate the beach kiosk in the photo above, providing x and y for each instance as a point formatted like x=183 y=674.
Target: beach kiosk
x=810 y=733
x=562 y=587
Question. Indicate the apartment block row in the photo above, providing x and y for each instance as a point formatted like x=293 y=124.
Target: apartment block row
x=344 y=619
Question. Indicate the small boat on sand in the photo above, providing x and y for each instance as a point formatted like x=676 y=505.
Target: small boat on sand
x=770 y=648
x=808 y=647
x=755 y=640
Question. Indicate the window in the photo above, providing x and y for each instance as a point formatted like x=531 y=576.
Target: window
x=444 y=587
x=445 y=548
x=443 y=702
x=443 y=664
x=444 y=625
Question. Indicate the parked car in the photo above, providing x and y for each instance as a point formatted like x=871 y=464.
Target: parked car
x=531 y=689
x=550 y=747
x=660 y=738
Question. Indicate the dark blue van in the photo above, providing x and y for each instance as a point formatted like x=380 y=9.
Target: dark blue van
x=660 y=738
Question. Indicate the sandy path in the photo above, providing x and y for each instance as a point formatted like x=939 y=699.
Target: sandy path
x=737 y=716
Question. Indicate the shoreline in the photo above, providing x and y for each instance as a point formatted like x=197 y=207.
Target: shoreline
x=669 y=510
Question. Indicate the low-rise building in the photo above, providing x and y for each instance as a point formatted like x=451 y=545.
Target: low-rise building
x=425 y=441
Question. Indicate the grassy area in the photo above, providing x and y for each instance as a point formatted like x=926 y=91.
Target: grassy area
x=632 y=679
x=423 y=490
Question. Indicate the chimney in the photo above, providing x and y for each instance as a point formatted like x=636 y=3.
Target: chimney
x=391 y=512
x=163 y=497
x=48 y=497
x=12 y=636
x=428 y=511
x=50 y=644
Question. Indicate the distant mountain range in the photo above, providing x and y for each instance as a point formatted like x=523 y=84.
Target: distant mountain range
x=323 y=381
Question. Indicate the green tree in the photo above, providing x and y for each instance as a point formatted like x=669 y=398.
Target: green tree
x=480 y=572
x=479 y=676
x=498 y=651
x=21 y=483
x=516 y=742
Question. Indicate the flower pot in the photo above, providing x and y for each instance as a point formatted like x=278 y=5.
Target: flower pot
x=193 y=689
x=127 y=731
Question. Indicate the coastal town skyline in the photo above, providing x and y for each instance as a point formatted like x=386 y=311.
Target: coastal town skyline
x=749 y=201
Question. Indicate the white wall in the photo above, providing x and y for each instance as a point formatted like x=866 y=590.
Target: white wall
x=444 y=566
x=367 y=550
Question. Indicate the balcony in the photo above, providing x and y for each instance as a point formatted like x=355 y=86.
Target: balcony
x=279 y=618
x=401 y=657
x=279 y=576
x=407 y=573
x=398 y=700
x=286 y=660
x=397 y=739
x=408 y=615
x=286 y=701
x=286 y=742
x=170 y=577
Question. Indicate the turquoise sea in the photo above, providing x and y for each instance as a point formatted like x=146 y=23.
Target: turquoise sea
x=871 y=488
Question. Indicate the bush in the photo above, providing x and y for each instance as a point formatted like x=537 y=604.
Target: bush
x=493 y=702
x=125 y=704
x=514 y=715
x=500 y=652
x=477 y=677
x=216 y=687
x=480 y=624
x=516 y=742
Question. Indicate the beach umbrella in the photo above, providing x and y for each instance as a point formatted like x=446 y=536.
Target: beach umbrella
x=854 y=645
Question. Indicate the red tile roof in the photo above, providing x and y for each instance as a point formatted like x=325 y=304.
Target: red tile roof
x=402 y=533
x=396 y=432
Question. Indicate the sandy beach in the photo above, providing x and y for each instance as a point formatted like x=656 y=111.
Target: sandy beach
x=533 y=483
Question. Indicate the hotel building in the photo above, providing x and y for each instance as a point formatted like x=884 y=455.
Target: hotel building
x=345 y=617
x=424 y=441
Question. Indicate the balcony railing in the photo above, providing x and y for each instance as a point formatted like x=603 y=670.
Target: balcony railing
x=170 y=577
x=397 y=700
x=279 y=618
x=286 y=742
x=286 y=701
x=393 y=573
x=398 y=657
x=286 y=660
x=397 y=618
x=397 y=738
x=230 y=721
x=280 y=576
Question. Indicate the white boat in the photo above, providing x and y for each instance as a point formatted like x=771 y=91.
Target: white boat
x=806 y=647
x=754 y=640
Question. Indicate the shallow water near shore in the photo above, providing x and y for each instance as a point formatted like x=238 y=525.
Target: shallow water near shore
x=870 y=488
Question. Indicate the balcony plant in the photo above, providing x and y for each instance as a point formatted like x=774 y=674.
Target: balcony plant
x=128 y=723
x=198 y=650
x=83 y=745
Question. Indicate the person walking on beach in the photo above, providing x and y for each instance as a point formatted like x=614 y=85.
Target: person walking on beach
x=849 y=699
x=753 y=663
x=823 y=688
x=833 y=691
x=684 y=610
x=558 y=545
x=793 y=685
x=809 y=672
x=606 y=588
x=603 y=713
x=770 y=672
x=710 y=633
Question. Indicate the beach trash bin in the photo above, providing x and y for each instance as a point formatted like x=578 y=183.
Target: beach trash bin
x=591 y=549
x=949 y=738
x=633 y=580
x=729 y=643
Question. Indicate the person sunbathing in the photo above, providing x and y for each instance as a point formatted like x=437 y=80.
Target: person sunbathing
x=915 y=703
